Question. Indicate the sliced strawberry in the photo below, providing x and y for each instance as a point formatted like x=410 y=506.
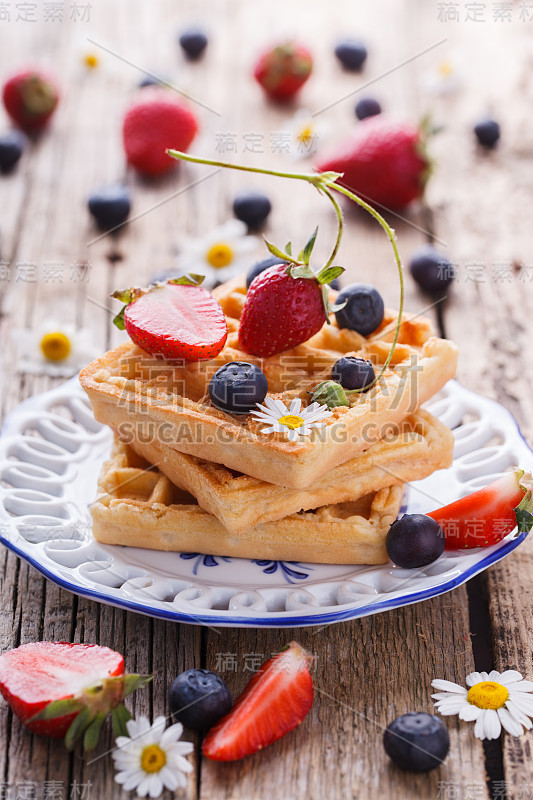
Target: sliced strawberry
x=276 y=700
x=174 y=321
x=60 y=689
x=488 y=515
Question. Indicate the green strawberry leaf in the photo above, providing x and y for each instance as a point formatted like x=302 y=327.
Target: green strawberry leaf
x=192 y=279
x=300 y=271
x=328 y=274
x=305 y=254
x=288 y=248
x=126 y=295
x=524 y=520
x=92 y=732
x=78 y=726
x=119 y=716
x=133 y=682
x=58 y=708
x=119 y=319
x=279 y=253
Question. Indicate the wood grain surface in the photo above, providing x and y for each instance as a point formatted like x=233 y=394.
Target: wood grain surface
x=478 y=209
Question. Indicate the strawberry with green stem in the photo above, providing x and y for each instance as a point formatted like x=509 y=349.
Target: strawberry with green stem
x=60 y=689
x=326 y=184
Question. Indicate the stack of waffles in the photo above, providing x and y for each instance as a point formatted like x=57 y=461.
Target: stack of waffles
x=188 y=477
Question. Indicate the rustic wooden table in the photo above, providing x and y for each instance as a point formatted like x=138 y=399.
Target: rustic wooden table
x=479 y=208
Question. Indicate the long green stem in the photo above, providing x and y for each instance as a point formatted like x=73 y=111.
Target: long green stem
x=392 y=238
x=340 y=226
x=325 y=182
x=312 y=177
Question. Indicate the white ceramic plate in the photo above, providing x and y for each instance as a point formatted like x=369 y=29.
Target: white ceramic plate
x=51 y=450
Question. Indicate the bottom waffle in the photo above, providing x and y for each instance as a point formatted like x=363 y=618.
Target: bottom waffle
x=139 y=507
x=412 y=450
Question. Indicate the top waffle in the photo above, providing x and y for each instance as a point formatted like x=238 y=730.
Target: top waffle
x=127 y=386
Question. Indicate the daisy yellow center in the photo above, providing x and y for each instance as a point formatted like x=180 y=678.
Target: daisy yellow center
x=488 y=694
x=219 y=255
x=291 y=421
x=153 y=758
x=445 y=69
x=305 y=134
x=91 y=61
x=55 y=346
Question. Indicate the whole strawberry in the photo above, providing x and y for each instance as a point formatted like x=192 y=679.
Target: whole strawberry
x=154 y=122
x=60 y=689
x=285 y=305
x=283 y=70
x=382 y=160
x=30 y=97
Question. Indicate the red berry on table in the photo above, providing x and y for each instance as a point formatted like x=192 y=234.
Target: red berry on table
x=280 y=312
x=382 y=160
x=283 y=70
x=276 y=700
x=155 y=121
x=51 y=686
x=174 y=321
x=485 y=517
x=30 y=97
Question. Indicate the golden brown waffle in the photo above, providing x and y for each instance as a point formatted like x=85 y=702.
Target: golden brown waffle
x=412 y=450
x=127 y=386
x=139 y=507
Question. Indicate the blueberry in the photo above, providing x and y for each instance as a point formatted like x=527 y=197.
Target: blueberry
x=11 y=146
x=364 y=309
x=198 y=698
x=193 y=42
x=110 y=206
x=487 y=132
x=335 y=284
x=414 y=541
x=237 y=387
x=353 y=373
x=152 y=80
x=261 y=266
x=431 y=270
x=252 y=208
x=351 y=53
x=417 y=741
x=367 y=107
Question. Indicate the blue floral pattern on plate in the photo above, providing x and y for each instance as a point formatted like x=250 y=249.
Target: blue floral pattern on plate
x=287 y=569
x=202 y=560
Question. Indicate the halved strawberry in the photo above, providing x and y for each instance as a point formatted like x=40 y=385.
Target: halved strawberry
x=488 y=515
x=174 y=320
x=276 y=700
x=61 y=689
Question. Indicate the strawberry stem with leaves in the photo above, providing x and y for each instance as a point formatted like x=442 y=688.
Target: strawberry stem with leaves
x=326 y=184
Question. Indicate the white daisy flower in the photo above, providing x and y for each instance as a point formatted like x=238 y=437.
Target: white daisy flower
x=295 y=421
x=301 y=136
x=219 y=255
x=444 y=77
x=494 y=700
x=54 y=348
x=151 y=758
